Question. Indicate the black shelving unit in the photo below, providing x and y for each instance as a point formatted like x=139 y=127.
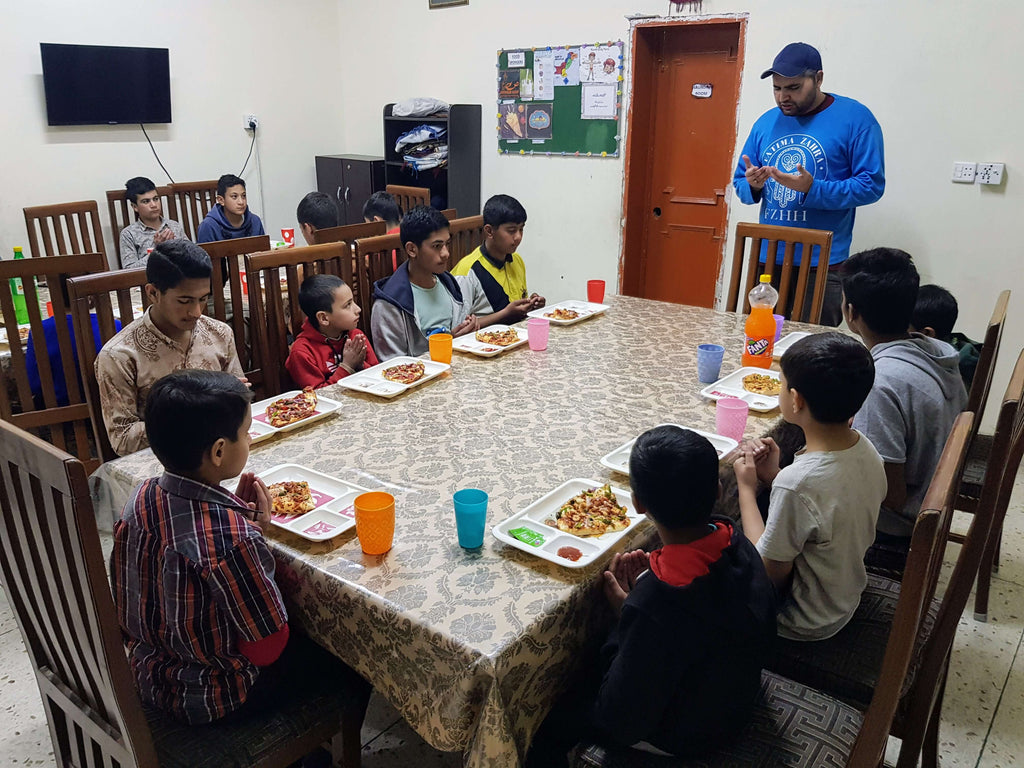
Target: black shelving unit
x=350 y=180
x=457 y=185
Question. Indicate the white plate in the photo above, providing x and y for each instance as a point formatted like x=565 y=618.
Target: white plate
x=469 y=343
x=324 y=408
x=372 y=379
x=787 y=341
x=334 y=513
x=732 y=386
x=544 y=541
x=586 y=309
x=618 y=460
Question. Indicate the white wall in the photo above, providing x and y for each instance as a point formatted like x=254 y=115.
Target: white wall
x=941 y=76
x=277 y=60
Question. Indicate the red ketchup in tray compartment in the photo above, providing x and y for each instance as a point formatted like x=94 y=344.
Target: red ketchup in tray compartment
x=570 y=553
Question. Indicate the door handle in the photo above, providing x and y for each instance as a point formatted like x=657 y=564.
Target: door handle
x=337 y=195
x=348 y=196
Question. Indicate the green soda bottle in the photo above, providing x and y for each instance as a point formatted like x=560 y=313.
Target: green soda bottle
x=18 y=293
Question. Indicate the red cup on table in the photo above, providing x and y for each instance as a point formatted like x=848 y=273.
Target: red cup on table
x=595 y=291
x=288 y=235
x=49 y=309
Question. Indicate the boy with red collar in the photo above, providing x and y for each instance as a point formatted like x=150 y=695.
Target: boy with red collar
x=330 y=347
x=696 y=618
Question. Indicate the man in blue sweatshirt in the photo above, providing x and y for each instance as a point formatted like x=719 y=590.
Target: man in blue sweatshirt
x=230 y=217
x=811 y=163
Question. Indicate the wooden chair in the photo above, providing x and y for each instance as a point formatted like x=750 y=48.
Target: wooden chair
x=980 y=452
x=274 y=301
x=97 y=289
x=749 y=263
x=64 y=424
x=450 y=214
x=793 y=724
x=350 y=232
x=64 y=228
x=408 y=197
x=54 y=577
x=122 y=214
x=225 y=258
x=467 y=234
x=375 y=260
x=192 y=201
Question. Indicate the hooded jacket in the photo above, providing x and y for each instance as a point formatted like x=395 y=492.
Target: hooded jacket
x=216 y=226
x=907 y=416
x=315 y=360
x=393 y=321
x=685 y=662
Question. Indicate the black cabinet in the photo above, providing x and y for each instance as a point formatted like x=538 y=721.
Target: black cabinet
x=350 y=180
x=456 y=185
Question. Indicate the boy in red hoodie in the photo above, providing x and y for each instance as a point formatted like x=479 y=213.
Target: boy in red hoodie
x=330 y=347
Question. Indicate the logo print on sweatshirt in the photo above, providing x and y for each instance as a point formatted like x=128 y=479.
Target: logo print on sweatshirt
x=786 y=154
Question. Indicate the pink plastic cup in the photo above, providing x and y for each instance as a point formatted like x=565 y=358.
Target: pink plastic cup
x=537 y=329
x=288 y=235
x=595 y=291
x=731 y=417
x=779 y=320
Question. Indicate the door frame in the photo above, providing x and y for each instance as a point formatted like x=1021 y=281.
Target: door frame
x=639 y=133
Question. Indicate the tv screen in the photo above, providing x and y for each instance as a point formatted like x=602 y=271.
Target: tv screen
x=99 y=84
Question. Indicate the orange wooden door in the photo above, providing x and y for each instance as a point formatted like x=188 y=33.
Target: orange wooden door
x=693 y=92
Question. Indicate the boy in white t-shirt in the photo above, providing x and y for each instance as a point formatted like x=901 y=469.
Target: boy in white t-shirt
x=824 y=506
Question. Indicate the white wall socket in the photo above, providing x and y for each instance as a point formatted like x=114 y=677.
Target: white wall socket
x=963 y=172
x=250 y=122
x=990 y=173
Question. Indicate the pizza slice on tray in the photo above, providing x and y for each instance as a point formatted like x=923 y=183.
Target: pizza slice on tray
x=291 y=497
x=288 y=410
x=501 y=338
x=406 y=373
x=592 y=513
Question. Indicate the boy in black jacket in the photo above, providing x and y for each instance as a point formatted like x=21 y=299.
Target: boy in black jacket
x=697 y=618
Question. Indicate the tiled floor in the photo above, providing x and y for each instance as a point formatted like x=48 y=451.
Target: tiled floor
x=981 y=720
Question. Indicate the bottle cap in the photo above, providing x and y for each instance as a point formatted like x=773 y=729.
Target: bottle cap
x=17 y=249
x=766 y=278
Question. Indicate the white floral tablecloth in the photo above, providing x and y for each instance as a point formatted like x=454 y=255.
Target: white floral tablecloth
x=473 y=647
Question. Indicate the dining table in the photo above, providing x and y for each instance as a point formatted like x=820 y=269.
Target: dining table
x=474 y=646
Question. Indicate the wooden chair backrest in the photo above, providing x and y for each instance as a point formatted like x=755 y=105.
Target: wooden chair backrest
x=408 y=197
x=274 y=308
x=53 y=575
x=226 y=261
x=64 y=228
x=750 y=265
x=192 y=201
x=98 y=290
x=122 y=214
x=66 y=426
x=350 y=232
x=376 y=258
x=977 y=398
x=450 y=214
x=467 y=233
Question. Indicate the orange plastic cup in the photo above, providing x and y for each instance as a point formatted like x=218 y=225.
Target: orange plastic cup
x=440 y=347
x=375 y=521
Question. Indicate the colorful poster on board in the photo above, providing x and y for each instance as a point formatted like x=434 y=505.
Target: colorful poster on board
x=567 y=66
x=508 y=84
x=600 y=63
x=539 y=121
x=544 y=75
x=512 y=121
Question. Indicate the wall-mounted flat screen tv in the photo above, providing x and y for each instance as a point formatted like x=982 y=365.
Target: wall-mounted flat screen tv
x=100 y=84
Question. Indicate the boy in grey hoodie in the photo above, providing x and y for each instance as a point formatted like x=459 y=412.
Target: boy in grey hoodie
x=917 y=393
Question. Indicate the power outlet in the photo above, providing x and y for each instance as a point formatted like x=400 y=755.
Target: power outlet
x=990 y=173
x=251 y=122
x=963 y=173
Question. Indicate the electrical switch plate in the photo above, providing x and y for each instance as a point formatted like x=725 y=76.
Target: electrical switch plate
x=251 y=123
x=990 y=173
x=964 y=172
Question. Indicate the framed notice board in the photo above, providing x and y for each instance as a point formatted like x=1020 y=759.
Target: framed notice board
x=560 y=100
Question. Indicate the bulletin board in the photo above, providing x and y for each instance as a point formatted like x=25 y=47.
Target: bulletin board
x=560 y=100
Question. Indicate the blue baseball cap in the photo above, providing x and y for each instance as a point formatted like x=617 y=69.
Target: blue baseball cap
x=794 y=60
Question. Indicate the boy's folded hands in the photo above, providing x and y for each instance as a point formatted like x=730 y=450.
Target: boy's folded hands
x=253 y=491
x=621 y=576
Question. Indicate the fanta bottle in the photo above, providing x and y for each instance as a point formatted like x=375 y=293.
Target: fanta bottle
x=760 y=327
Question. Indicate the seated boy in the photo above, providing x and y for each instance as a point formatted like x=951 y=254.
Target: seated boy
x=917 y=394
x=496 y=264
x=682 y=668
x=317 y=210
x=172 y=334
x=422 y=297
x=381 y=206
x=150 y=228
x=230 y=218
x=823 y=508
x=935 y=315
x=193 y=577
x=329 y=347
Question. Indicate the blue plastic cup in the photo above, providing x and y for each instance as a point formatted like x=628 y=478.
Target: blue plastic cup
x=709 y=362
x=470 y=516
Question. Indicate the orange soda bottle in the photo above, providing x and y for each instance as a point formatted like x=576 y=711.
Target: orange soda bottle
x=760 y=327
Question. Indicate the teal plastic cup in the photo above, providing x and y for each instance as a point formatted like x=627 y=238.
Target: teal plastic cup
x=470 y=516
